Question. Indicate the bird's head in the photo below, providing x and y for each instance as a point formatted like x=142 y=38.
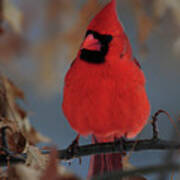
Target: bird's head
x=105 y=38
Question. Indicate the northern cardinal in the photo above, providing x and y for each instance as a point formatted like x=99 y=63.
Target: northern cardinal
x=104 y=93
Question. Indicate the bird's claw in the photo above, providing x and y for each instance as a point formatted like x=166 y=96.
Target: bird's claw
x=119 y=142
x=74 y=146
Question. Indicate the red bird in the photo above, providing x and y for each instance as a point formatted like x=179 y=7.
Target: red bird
x=104 y=91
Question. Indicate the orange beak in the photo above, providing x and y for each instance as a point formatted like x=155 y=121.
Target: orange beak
x=90 y=43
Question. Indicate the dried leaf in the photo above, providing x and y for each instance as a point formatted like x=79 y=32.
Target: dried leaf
x=33 y=136
x=160 y=8
x=12 y=15
x=14 y=139
x=145 y=23
x=16 y=142
x=39 y=167
x=15 y=91
x=3 y=100
x=11 y=45
x=56 y=172
x=51 y=169
x=76 y=33
x=17 y=115
x=22 y=172
x=1 y=17
x=35 y=159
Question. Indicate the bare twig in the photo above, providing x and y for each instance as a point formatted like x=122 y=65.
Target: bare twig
x=99 y=148
x=169 y=157
x=154 y=124
x=5 y=160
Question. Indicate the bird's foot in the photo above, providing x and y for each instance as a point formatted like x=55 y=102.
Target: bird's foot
x=74 y=146
x=120 y=143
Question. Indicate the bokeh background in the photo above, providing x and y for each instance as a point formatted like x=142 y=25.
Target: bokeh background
x=40 y=39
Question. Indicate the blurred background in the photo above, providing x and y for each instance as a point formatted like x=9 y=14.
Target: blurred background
x=40 y=39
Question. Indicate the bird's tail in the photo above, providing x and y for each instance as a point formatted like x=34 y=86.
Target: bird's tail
x=104 y=163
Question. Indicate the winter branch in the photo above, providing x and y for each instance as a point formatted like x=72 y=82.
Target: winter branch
x=111 y=147
x=136 y=145
x=118 y=146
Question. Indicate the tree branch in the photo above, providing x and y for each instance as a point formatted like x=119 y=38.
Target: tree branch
x=99 y=148
x=86 y=150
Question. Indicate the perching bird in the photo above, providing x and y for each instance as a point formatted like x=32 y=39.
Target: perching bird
x=104 y=90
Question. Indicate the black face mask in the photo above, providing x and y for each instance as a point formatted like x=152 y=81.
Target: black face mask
x=96 y=57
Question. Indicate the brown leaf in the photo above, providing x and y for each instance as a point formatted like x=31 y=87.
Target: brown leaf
x=76 y=33
x=35 y=137
x=12 y=15
x=55 y=172
x=22 y=172
x=17 y=115
x=35 y=159
x=144 y=22
x=1 y=17
x=55 y=8
x=16 y=142
x=3 y=99
x=11 y=44
x=39 y=167
x=160 y=8
x=47 y=50
x=51 y=169
x=15 y=129
x=13 y=89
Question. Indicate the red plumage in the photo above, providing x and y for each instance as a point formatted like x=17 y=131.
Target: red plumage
x=104 y=93
x=106 y=21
